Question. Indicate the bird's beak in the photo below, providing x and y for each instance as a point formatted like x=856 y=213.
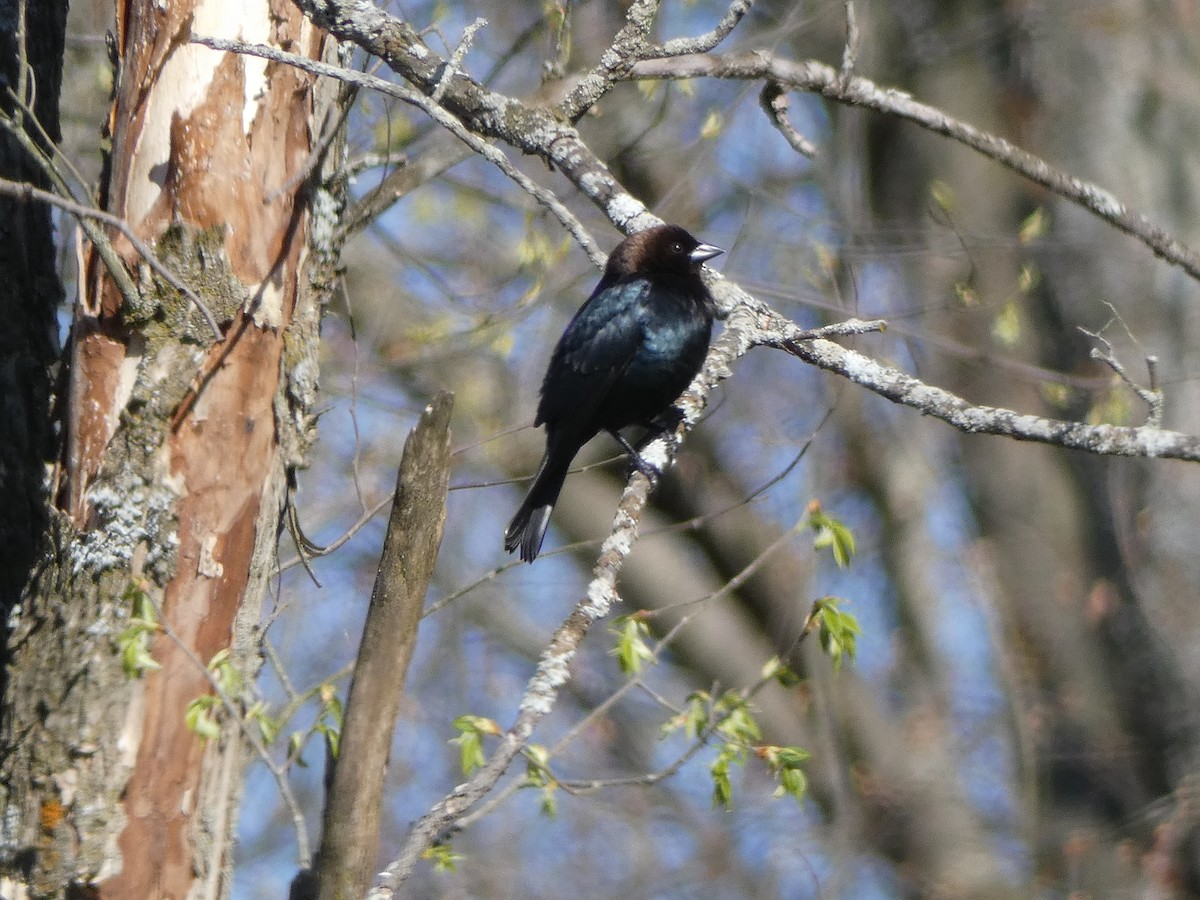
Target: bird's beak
x=704 y=252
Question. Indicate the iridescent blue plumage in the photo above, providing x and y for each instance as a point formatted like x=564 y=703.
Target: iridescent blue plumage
x=625 y=357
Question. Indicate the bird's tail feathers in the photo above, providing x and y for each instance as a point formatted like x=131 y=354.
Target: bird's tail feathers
x=528 y=527
x=527 y=531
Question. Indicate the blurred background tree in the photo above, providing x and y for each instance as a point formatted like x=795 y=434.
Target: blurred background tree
x=1020 y=717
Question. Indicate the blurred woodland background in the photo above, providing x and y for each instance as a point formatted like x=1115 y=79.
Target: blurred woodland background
x=1021 y=715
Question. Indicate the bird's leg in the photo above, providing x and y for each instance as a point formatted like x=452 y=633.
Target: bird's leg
x=661 y=424
x=636 y=458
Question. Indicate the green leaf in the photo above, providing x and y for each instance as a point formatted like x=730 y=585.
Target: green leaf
x=268 y=727
x=470 y=752
x=839 y=630
x=1058 y=394
x=1028 y=278
x=786 y=763
x=134 y=642
x=696 y=720
x=479 y=724
x=722 y=794
x=331 y=704
x=550 y=800
x=537 y=766
x=1036 y=224
x=1006 y=326
x=201 y=719
x=831 y=533
x=780 y=758
x=966 y=293
x=943 y=195
x=648 y=87
x=788 y=677
x=443 y=857
x=1112 y=408
x=470 y=740
x=738 y=722
x=714 y=124
x=333 y=738
x=778 y=670
x=771 y=668
x=227 y=675
x=295 y=745
x=794 y=782
x=631 y=650
x=694 y=717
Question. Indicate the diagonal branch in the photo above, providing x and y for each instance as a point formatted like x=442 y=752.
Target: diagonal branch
x=818 y=78
x=705 y=42
x=539 y=131
x=757 y=325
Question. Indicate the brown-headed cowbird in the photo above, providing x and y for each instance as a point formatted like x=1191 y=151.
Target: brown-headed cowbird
x=625 y=357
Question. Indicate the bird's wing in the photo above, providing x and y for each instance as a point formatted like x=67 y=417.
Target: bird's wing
x=593 y=352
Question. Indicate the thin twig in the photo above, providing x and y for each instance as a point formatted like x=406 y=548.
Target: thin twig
x=108 y=254
x=850 y=51
x=303 y=850
x=454 y=64
x=443 y=117
x=27 y=192
x=1150 y=396
x=708 y=41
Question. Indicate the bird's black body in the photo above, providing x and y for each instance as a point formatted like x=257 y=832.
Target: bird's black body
x=625 y=357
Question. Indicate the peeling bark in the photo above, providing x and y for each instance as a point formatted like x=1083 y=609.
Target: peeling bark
x=174 y=467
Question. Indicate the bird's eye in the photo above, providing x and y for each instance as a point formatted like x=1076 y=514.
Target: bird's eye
x=677 y=247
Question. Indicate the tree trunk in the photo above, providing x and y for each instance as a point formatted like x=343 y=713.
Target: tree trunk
x=30 y=292
x=173 y=475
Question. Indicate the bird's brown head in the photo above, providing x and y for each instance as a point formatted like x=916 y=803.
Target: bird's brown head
x=665 y=249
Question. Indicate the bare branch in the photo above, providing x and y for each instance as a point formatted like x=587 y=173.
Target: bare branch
x=818 y=78
x=435 y=111
x=104 y=248
x=774 y=102
x=705 y=42
x=850 y=51
x=456 y=58
x=1151 y=396
x=429 y=165
x=630 y=45
x=535 y=130
x=28 y=192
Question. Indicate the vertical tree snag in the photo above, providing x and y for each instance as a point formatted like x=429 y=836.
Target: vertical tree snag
x=177 y=447
x=354 y=794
